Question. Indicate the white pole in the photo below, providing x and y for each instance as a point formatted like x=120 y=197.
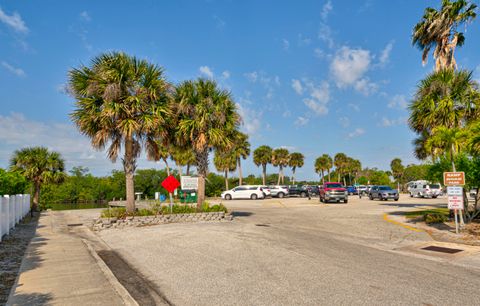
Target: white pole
x=2 y=221
x=11 y=204
x=6 y=202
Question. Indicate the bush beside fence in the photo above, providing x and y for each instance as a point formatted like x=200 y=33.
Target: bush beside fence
x=13 y=208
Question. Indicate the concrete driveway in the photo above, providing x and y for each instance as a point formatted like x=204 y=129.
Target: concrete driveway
x=300 y=252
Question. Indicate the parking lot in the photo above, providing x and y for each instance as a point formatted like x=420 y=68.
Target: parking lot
x=298 y=251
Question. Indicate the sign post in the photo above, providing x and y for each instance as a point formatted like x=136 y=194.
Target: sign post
x=170 y=184
x=454 y=181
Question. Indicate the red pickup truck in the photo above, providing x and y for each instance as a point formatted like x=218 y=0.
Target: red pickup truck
x=331 y=191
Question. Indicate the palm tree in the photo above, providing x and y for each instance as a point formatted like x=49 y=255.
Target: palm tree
x=225 y=161
x=164 y=154
x=205 y=118
x=446 y=99
x=340 y=161
x=321 y=166
x=447 y=141
x=241 y=150
x=121 y=101
x=438 y=30
x=296 y=160
x=328 y=164
x=39 y=166
x=473 y=142
x=183 y=157
x=263 y=156
x=397 y=168
x=280 y=158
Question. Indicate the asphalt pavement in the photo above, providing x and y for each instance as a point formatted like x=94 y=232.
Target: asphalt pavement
x=301 y=252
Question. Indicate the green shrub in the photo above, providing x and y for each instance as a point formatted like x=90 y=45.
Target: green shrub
x=116 y=212
x=158 y=209
x=435 y=218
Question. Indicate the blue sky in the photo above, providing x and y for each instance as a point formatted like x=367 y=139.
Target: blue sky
x=312 y=76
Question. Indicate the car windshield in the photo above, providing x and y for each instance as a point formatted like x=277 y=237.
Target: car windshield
x=385 y=188
x=334 y=186
x=434 y=186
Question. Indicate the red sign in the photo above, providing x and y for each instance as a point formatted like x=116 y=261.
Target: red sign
x=170 y=183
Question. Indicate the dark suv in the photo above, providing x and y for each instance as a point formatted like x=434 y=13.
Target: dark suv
x=298 y=190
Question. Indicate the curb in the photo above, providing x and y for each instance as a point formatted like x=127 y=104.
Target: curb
x=122 y=292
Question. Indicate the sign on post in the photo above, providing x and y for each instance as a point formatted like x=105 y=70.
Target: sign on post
x=170 y=184
x=454 y=178
x=455 y=202
x=189 y=183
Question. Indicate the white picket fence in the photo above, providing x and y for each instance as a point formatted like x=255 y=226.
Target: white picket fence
x=12 y=209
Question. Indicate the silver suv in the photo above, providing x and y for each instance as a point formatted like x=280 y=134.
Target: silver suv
x=278 y=191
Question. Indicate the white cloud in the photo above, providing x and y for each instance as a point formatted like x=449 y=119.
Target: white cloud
x=357 y=132
x=319 y=53
x=226 y=74
x=301 y=121
x=319 y=92
x=13 y=21
x=325 y=34
x=17 y=71
x=385 y=54
x=398 y=101
x=85 y=16
x=393 y=122
x=349 y=65
x=297 y=86
x=286 y=44
x=326 y=9
x=303 y=41
x=355 y=107
x=251 y=76
x=205 y=70
x=365 y=87
x=317 y=107
x=251 y=118
x=344 y=122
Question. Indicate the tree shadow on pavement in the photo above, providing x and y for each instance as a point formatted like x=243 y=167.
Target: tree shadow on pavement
x=412 y=205
x=241 y=213
x=36 y=299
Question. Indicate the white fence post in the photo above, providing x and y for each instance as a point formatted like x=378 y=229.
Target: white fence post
x=19 y=207
x=2 y=217
x=11 y=215
x=6 y=202
x=27 y=204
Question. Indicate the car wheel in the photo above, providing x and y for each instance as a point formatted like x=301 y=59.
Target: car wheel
x=434 y=197
x=345 y=201
x=303 y=194
x=253 y=196
x=396 y=199
x=411 y=195
x=280 y=195
x=228 y=197
x=370 y=197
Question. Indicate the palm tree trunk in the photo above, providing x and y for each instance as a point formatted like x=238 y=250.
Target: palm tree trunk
x=452 y=154
x=188 y=169
x=293 y=175
x=166 y=166
x=264 y=173
x=323 y=177
x=240 y=178
x=329 y=175
x=129 y=168
x=36 y=196
x=202 y=168
x=279 y=175
x=226 y=179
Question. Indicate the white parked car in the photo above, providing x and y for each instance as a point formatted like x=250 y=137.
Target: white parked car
x=425 y=190
x=266 y=191
x=244 y=192
x=279 y=191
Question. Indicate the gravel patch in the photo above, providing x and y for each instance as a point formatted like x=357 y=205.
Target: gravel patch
x=12 y=249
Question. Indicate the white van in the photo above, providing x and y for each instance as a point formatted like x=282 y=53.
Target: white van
x=425 y=190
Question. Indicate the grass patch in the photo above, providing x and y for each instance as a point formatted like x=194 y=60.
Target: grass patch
x=157 y=209
x=421 y=213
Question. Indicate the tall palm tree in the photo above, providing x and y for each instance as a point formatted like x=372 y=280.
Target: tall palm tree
x=263 y=156
x=205 y=118
x=321 y=166
x=280 y=158
x=225 y=161
x=164 y=154
x=328 y=164
x=340 y=161
x=438 y=30
x=473 y=142
x=296 y=160
x=241 y=150
x=397 y=168
x=39 y=166
x=121 y=101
